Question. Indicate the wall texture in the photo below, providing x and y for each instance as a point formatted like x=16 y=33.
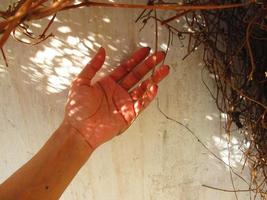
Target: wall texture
x=156 y=159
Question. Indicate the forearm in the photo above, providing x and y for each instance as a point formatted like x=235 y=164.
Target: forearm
x=50 y=171
x=99 y=111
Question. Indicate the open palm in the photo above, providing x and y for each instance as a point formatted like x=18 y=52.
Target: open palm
x=102 y=110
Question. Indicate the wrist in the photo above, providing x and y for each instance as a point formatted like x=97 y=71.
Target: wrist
x=68 y=131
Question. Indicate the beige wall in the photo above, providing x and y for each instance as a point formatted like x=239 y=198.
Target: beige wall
x=155 y=159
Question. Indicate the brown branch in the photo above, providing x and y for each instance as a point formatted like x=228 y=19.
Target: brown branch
x=18 y=16
x=226 y=190
x=253 y=66
x=161 y=6
x=4 y=56
x=199 y=141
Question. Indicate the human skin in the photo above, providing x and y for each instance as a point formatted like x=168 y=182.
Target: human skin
x=94 y=114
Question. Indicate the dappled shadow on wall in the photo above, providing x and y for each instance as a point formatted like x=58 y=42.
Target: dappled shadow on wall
x=49 y=67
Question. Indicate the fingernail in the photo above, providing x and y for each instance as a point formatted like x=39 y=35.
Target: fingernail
x=163 y=52
x=166 y=66
x=148 y=48
x=153 y=88
x=149 y=85
x=101 y=52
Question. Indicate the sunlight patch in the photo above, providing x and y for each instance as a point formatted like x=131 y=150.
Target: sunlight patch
x=64 y=29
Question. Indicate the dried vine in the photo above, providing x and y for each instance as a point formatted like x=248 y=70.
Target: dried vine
x=233 y=34
x=235 y=53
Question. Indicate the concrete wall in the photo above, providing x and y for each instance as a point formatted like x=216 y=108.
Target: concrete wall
x=156 y=159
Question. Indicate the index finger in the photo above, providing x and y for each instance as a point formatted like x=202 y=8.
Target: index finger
x=94 y=65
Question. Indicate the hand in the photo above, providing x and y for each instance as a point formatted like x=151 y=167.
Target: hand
x=102 y=110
